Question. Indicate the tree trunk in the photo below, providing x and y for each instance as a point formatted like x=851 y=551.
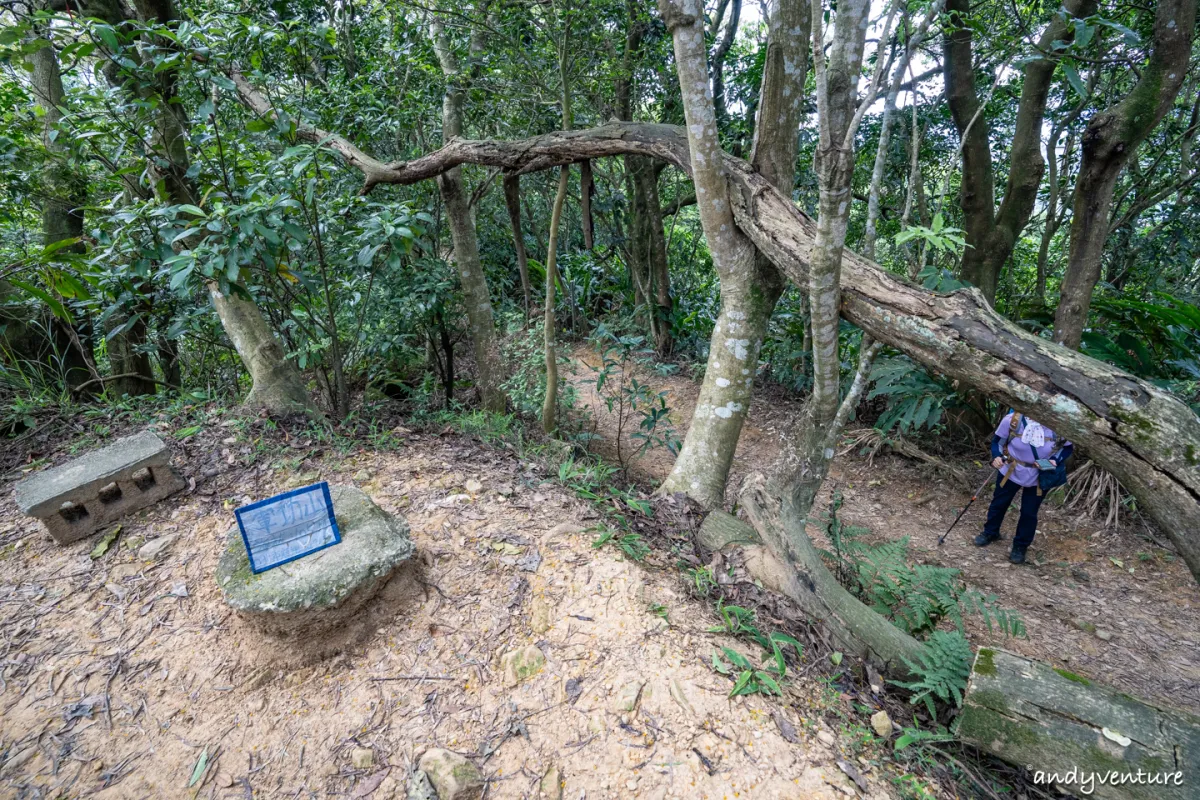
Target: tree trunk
x=129 y=358
x=1053 y=721
x=1145 y=436
x=650 y=249
x=647 y=246
x=718 y=58
x=64 y=189
x=550 y=403
x=476 y=296
x=885 y=129
x=512 y=199
x=1111 y=138
x=587 y=188
x=274 y=380
x=750 y=285
x=992 y=234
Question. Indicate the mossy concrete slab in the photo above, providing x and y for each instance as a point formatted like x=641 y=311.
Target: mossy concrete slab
x=319 y=591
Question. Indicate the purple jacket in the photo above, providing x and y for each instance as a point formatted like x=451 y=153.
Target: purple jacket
x=1022 y=475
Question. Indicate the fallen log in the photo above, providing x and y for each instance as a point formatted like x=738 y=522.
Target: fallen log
x=1082 y=737
x=1143 y=435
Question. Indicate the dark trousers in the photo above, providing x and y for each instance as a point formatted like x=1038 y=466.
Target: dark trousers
x=1002 y=499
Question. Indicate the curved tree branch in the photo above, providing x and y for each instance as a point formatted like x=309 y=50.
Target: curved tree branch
x=1145 y=436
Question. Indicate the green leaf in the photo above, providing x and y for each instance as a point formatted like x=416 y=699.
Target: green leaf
x=188 y=208
x=55 y=306
x=108 y=36
x=198 y=771
x=739 y=660
x=739 y=686
x=836 y=658
x=184 y=433
x=718 y=664
x=1073 y=79
x=769 y=682
x=102 y=546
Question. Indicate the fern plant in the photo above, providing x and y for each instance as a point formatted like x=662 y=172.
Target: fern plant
x=941 y=670
x=915 y=598
x=914 y=399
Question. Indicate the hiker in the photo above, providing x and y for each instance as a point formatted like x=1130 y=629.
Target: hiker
x=1017 y=448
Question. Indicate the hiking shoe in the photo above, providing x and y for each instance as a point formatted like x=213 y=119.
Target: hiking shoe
x=984 y=539
x=1017 y=556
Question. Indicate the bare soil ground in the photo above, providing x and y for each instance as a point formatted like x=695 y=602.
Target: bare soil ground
x=1103 y=603
x=127 y=678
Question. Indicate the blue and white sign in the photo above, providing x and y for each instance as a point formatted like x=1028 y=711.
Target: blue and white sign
x=288 y=526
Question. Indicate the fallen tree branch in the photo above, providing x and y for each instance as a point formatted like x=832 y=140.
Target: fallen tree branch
x=108 y=378
x=1145 y=436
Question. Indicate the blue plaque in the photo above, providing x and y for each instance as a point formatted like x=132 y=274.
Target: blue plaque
x=288 y=526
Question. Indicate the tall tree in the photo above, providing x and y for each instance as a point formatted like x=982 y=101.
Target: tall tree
x=647 y=244
x=750 y=284
x=1110 y=140
x=452 y=185
x=991 y=232
x=64 y=194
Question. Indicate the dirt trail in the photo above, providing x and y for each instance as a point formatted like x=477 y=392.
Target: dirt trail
x=1106 y=604
x=113 y=687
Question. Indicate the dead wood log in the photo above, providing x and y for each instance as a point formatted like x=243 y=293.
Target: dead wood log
x=1143 y=435
x=1097 y=741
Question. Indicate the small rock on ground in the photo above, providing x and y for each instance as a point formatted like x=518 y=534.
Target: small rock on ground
x=155 y=547
x=362 y=758
x=551 y=787
x=882 y=724
x=520 y=665
x=452 y=776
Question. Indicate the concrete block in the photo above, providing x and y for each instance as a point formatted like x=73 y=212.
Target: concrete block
x=80 y=497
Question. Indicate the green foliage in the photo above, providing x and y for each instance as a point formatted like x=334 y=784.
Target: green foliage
x=941 y=670
x=915 y=597
x=631 y=544
x=938 y=237
x=748 y=679
x=914 y=399
x=628 y=399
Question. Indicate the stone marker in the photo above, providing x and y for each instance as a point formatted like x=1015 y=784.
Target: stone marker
x=320 y=591
x=80 y=497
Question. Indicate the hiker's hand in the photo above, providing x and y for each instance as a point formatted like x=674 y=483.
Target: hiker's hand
x=997 y=462
x=1053 y=463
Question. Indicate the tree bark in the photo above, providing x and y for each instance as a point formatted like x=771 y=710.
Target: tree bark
x=476 y=296
x=587 y=188
x=750 y=284
x=720 y=52
x=1109 y=142
x=1142 y=434
x=647 y=246
x=550 y=402
x=64 y=190
x=512 y=200
x=1050 y=720
x=992 y=234
x=129 y=358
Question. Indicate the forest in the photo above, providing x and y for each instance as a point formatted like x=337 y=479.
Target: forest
x=724 y=266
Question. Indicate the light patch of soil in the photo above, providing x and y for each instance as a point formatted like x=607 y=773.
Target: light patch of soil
x=1106 y=604
x=114 y=686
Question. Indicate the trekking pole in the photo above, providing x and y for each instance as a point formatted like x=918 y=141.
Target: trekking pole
x=974 y=497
